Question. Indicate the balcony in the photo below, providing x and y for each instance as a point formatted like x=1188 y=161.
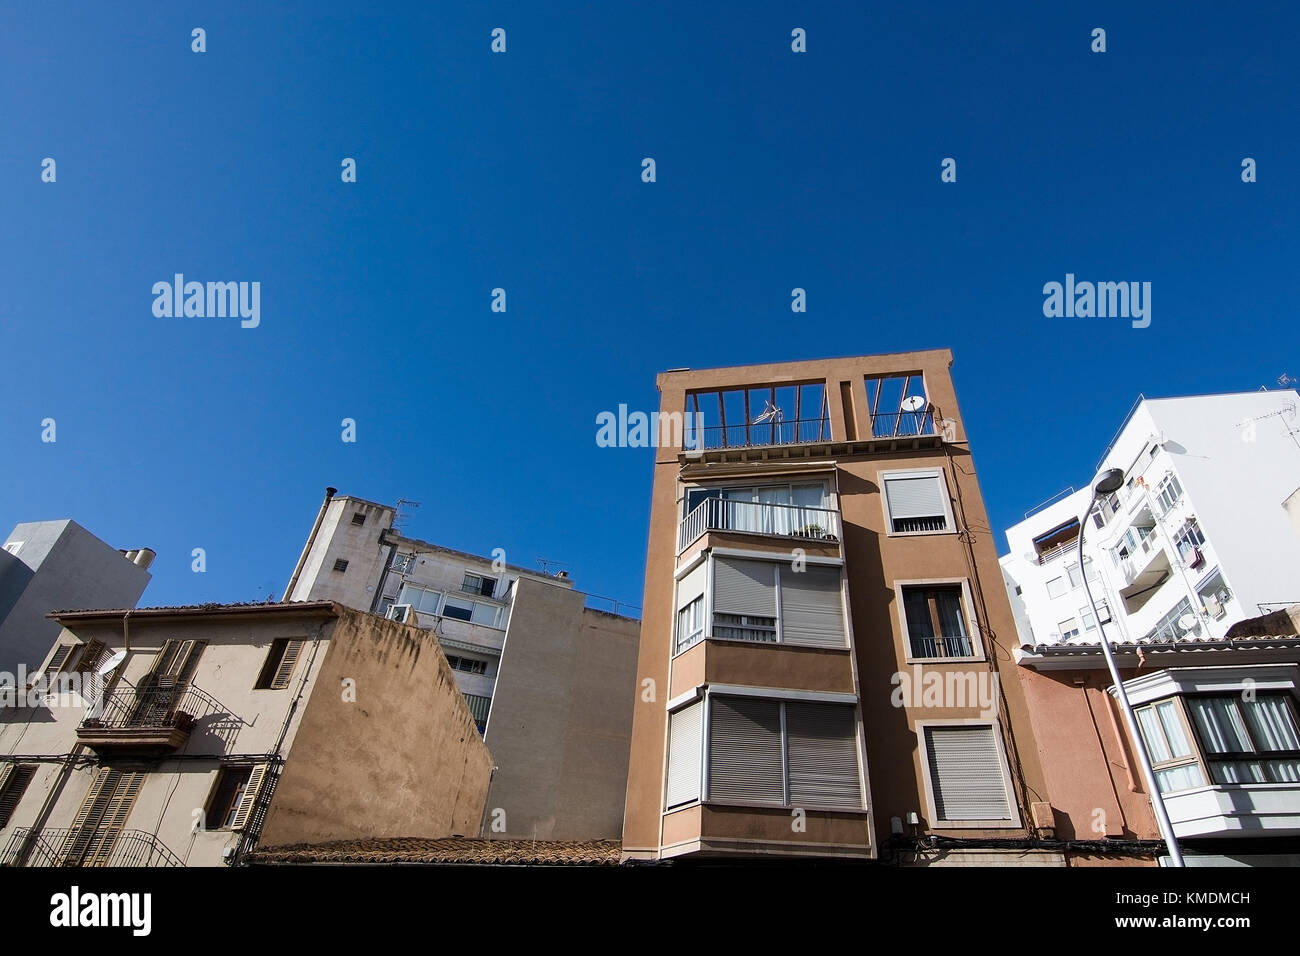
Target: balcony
x=146 y=720
x=61 y=847
x=748 y=517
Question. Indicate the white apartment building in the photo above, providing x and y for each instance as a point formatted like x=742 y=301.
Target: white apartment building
x=1198 y=537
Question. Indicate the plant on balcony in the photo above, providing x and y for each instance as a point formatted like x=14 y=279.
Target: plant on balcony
x=811 y=531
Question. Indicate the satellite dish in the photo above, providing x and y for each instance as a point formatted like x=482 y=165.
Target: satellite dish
x=110 y=665
x=1187 y=622
x=913 y=403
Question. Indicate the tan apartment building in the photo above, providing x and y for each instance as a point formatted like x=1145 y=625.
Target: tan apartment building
x=825 y=664
x=188 y=736
x=549 y=679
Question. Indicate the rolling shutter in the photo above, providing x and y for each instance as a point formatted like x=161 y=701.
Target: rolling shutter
x=744 y=587
x=745 y=762
x=285 y=669
x=685 y=729
x=13 y=781
x=823 y=756
x=248 y=799
x=920 y=497
x=811 y=609
x=966 y=773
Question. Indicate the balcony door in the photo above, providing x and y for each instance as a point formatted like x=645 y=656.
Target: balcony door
x=766 y=509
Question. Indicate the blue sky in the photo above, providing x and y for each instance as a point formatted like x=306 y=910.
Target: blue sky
x=522 y=171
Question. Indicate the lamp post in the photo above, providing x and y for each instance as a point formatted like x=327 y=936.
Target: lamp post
x=1106 y=484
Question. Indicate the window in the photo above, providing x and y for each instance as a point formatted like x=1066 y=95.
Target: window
x=99 y=822
x=467 y=664
x=279 y=664
x=402 y=563
x=1055 y=587
x=358 y=519
x=1172 y=755
x=1089 y=621
x=690 y=624
x=768 y=602
x=684 y=742
x=1069 y=628
x=14 y=779
x=783 y=753
x=936 y=621
x=1168 y=492
x=13 y=547
x=916 y=502
x=968 y=782
x=478 y=709
x=224 y=802
x=422 y=599
x=799 y=509
x=1188 y=540
x=1214 y=595
x=1167 y=628
x=472 y=611
x=159 y=694
x=340 y=565
x=1248 y=741
x=1075 y=576
x=478 y=584
x=243 y=815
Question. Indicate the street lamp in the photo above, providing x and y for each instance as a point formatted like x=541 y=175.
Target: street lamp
x=1108 y=483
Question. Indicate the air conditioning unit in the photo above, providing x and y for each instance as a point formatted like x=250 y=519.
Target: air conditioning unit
x=399 y=612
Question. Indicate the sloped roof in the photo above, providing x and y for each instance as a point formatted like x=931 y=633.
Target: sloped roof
x=445 y=850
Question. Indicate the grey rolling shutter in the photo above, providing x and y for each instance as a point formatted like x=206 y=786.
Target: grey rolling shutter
x=823 y=756
x=915 y=497
x=684 y=740
x=966 y=773
x=744 y=587
x=811 y=610
x=745 y=763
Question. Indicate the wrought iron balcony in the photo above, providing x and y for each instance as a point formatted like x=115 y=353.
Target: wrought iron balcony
x=155 y=717
x=68 y=847
x=748 y=517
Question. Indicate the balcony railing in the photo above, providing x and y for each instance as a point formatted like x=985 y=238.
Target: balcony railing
x=795 y=432
x=903 y=424
x=1048 y=555
x=171 y=706
x=50 y=847
x=726 y=514
x=942 y=647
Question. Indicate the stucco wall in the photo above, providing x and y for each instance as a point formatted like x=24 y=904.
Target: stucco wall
x=403 y=759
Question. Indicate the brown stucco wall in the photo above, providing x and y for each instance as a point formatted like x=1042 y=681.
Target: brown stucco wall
x=403 y=759
x=561 y=718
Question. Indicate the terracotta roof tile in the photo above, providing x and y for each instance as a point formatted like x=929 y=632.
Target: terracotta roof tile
x=446 y=850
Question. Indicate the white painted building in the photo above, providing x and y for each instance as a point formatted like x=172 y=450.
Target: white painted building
x=1198 y=537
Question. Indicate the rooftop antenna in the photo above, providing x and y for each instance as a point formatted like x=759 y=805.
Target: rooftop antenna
x=546 y=564
x=399 y=515
x=1286 y=380
x=771 y=413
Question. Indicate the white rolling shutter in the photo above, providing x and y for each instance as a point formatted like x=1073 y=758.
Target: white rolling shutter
x=685 y=732
x=966 y=773
x=920 y=497
x=811 y=609
x=745 y=762
x=744 y=587
x=823 y=756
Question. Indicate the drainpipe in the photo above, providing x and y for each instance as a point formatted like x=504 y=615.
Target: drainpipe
x=311 y=540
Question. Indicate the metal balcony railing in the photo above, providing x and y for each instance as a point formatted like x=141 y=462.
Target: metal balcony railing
x=159 y=704
x=942 y=647
x=54 y=847
x=794 y=432
x=903 y=424
x=726 y=514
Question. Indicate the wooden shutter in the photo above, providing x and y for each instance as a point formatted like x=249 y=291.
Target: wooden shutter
x=248 y=799
x=61 y=654
x=117 y=808
x=685 y=732
x=822 y=752
x=920 y=497
x=966 y=773
x=745 y=762
x=178 y=659
x=811 y=609
x=744 y=587
x=285 y=669
x=92 y=809
x=13 y=781
x=92 y=652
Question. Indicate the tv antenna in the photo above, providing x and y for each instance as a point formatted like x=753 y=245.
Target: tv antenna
x=771 y=413
x=403 y=512
x=547 y=564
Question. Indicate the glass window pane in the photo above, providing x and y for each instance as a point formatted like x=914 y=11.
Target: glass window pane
x=1180 y=778
x=1237 y=771
x=1173 y=728
x=1219 y=724
x=1151 y=732
x=1271 y=725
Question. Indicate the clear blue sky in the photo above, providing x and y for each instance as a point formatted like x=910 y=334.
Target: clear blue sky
x=522 y=171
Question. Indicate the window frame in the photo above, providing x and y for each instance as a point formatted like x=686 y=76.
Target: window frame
x=945 y=498
x=1013 y=804
x=968 y=606
x=778 y=619
x=236 y=797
